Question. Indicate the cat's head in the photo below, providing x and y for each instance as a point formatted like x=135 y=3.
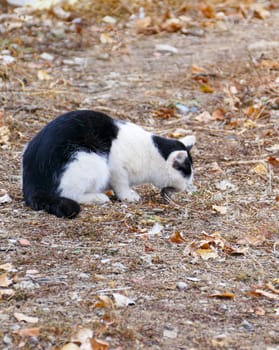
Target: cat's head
x=180 y=166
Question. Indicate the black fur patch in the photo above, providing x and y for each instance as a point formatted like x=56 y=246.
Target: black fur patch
x=48 y=153
x=166 y=146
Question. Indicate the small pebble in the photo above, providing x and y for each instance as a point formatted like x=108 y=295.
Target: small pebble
x=247 y=325
x=181 y=285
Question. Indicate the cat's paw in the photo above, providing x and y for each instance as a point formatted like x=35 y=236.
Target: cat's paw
x=98 y=198
x=129 y=196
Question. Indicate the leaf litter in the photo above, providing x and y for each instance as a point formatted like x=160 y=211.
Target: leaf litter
x=62 y=60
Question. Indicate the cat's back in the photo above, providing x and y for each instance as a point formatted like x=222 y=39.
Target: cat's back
x=78 y=130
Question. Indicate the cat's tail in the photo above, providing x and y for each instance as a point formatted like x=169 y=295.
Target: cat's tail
x=53 y=204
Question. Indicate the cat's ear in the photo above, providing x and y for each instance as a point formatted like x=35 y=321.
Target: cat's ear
x=188 y=141
x=179 y=158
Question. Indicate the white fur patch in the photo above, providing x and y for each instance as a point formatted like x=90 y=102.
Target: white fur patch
x=85 y=176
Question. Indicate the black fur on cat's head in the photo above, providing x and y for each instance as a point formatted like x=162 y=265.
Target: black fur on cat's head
x=179 y=161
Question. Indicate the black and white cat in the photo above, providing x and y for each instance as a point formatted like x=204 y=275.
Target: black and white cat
x=80 y=154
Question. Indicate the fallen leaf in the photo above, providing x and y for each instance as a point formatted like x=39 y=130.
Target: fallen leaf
x=121 y=300
x=249 y=124
x=208 y=11
x=21 y=317
x=260 y=12
x=220 y=209
x=98 y=344
x=270 y=64
x=104 y=302
x=219 y=114
x=5 y=198
x=4 y=280
x=6 y=293
x=70 y=346
x=6 y=267
x=24 y=242
x=81 y=335
x=260 y=311
x=260 y=169
x=204 y=117
x=142 y=24
x=172 y=25
x=165 y=113
x=28 y=332
x=273 y=161
x=177 y=238
x=207 y=89
x=223 y=295
x=214 y=239
x=43 y=75
x=106 y=39
x=206 y=254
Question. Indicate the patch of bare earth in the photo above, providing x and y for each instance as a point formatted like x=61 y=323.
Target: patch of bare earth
x=201 y=272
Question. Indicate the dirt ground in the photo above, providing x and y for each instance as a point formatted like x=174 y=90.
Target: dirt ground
x=199 y=271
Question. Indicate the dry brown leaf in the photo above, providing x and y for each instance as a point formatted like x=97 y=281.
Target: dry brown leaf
x=21 y=317
x=121 y=300
x=206 y=254
x=207 y=89
x=4 y=135
x=260 y=169
x=143 y=24
x=223 y=295
x=256 y=112
x=172 y=25
x=98 y=344
x=204 y=117
x=273 y=161
x=219 y=114
x=260 y=12
x=214 y=239
x=6 y=293
x=81 y=335
x=260 y=311
x=270 y=64
x=208 y=11
x=4 y=280
x=249 y=124
x=2 y=119
x=28 y=332
x=165 y=113
x=177 y=238
x=104 y=302
x=6 y=267
x=23 y=242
